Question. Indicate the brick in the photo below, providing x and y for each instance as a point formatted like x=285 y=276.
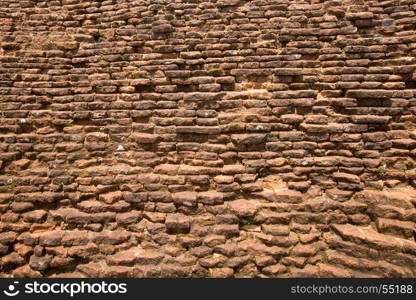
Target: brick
x=198 y=129
x=242 y=208
x=185 y=198
x=177 y=140
x=7 y=237
x=369 y=94
x=112 y=197
x=210 y=197
x=162 y=28
x=248 y=139
x=371 y=119
x=145 y=138
x=395 y=227
x=177 y=224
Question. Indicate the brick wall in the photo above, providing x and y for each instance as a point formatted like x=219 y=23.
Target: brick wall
x=222 y=138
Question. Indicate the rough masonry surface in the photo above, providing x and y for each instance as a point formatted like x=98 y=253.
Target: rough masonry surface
x=222 y=138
